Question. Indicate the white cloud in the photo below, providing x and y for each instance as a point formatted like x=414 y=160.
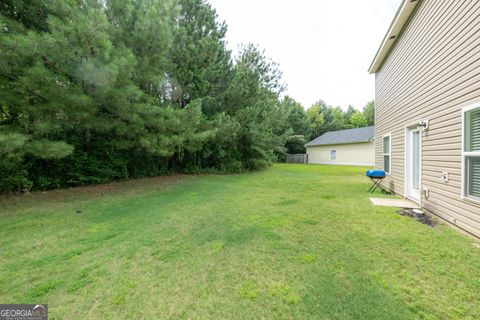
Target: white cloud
x=324 y=47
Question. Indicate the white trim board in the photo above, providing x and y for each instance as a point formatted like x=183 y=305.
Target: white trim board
x=344 y=164
x=399 y=22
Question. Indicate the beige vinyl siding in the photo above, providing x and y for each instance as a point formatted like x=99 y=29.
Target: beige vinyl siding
x=360 y=154
x=430 y=74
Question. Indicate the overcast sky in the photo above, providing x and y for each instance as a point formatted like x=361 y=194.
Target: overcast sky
x=324 y=47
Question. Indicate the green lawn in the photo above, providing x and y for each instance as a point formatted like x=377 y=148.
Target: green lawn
x=290 y=242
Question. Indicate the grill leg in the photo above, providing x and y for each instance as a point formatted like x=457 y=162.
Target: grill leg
x=376 y=184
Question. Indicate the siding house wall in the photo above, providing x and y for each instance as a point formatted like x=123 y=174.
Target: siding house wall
x=430 y=74
x=361 y=154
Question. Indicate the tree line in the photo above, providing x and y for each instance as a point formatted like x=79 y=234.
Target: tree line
x=98 y=90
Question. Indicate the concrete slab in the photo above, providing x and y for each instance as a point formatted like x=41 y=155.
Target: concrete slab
x=399 y=203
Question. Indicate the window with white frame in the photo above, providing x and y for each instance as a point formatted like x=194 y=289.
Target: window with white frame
x=333 y=154
x=471 y=153
x=386 y=152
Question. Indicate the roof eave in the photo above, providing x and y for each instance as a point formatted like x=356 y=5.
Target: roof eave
x=334 y=144
x=399 y=22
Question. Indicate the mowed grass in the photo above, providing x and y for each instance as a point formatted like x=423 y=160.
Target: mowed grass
x=290 y=242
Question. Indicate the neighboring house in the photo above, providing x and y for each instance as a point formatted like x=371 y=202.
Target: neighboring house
x=345 y=147
x=428 y=108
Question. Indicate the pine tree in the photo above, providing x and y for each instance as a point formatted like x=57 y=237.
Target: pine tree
x=200 y=61
x=253 y=99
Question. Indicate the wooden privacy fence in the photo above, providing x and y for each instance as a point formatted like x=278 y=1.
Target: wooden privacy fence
x=296 y=158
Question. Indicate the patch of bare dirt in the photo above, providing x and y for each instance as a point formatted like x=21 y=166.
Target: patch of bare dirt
x=127 y=187
x=419 y=215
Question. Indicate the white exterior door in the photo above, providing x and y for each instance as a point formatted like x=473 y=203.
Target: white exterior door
x=413 y=160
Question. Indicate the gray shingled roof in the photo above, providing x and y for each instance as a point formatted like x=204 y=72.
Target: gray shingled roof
x=344 y=136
